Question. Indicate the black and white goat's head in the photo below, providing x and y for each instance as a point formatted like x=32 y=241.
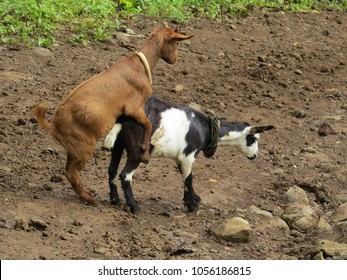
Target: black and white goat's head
x=242 y=136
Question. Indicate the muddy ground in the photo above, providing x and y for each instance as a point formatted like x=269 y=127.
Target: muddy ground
x=284 y=69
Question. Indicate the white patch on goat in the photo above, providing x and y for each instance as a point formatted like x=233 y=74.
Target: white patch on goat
x=169 y=140
x=238 y=139
x=186 y=163
x=129 y=176
x=112 y=136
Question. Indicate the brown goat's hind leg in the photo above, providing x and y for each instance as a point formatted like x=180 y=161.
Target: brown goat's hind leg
x=74 y=167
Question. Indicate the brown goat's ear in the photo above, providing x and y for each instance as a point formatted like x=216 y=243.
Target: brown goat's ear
x=260 y=129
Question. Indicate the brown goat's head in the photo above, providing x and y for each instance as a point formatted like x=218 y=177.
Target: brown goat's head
x=169 y=39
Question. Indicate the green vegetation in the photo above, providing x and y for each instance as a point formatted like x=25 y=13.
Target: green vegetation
x=37 y=22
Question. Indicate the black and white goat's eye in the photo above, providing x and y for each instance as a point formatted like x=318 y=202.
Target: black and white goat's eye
x=250 y=140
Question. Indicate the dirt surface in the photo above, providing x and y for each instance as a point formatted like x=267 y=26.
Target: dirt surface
x=282 y=69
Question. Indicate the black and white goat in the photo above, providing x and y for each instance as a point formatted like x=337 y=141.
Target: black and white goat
x=179 y=133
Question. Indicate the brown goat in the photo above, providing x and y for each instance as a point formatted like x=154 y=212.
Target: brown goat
x=90 y=110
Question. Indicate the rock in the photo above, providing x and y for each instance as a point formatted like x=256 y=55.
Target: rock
x=319 y=256
x=195 y=106
x=21 y=122
x=325 y=129
x=233 y=27
x=323 y=224
x=221 y=54
x=5 y=225
x=122 y=37
x=57 y=178
x=305 y=223
x=298 y=56
x=21 y=224
x=341 y=197
x=276 y=222
x=330 y=249
x=320 y=156
x=300 y=217
x=234 y=230
x=260 y=212
x=295 y=194
x=43 y=52
x=297 y=213
x=309 y=150
x=300 y=114
x=100 y=250
x=179 y=88
x=298 y=72
x=262 y=58
x=342 y=226
x=38 y=224
x=130 y=31
x=340 y=214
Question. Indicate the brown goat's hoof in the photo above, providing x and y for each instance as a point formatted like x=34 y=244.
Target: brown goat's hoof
x=89 y=200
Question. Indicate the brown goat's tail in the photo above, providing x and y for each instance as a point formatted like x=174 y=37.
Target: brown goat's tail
x=40 y=112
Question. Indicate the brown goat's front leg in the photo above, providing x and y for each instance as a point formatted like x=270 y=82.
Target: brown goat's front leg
x=141 y=118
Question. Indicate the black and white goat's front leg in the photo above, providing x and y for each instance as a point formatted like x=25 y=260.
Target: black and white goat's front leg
x=117 y=152
x=133 y=161
x=190 y=198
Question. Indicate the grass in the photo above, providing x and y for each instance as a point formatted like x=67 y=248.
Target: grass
x=37 y=22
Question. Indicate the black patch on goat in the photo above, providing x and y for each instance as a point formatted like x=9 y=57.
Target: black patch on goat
x=196 y=132
x=226 y=127
x=250 y=139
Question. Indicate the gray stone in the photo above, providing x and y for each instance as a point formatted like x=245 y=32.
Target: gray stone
x=179 y=88
x=260 y=212
x=43 y=52
x=234 y=230
x=38 y=224
x=195 y=106
x=298 y=216
x=319 y=256
x=130 y=31
x=341 y=197
x=323 y=224
x=305 y=223
x=276 y=222
x=298 y=71
x=21 y=223
x=122 y=37
x=330 y=249
x=340 y=214
x=295 y=194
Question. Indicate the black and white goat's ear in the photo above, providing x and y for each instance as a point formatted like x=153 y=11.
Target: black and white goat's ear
x=260 y=129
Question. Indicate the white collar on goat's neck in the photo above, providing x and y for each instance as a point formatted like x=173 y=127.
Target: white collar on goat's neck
x=145 y=63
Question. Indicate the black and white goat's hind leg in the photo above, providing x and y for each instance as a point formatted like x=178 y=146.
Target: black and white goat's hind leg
x=133 y=161
x=190 y=198
x=116 y=152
